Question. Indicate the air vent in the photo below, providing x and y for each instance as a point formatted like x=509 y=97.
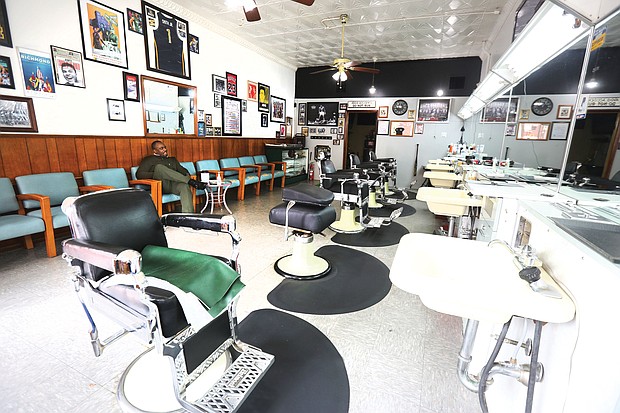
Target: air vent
x=457 y=82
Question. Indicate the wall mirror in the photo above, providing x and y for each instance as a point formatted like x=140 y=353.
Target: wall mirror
x=169 y=108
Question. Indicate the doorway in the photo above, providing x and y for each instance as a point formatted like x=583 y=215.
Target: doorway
x=361 y=135
x=594 y=143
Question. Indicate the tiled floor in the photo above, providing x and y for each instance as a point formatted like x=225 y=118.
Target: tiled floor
x=400 y=356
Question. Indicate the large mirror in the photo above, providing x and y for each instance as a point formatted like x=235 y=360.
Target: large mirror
x=169 y=107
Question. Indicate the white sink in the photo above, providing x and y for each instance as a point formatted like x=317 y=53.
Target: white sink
x=439 y=167
x=439 y=161
x=449 y=202
x=469 y=279
x=442 y=179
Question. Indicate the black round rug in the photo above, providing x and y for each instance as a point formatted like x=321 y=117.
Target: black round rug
x=373 y=237
x=388 y=208
x=308 y=374
x=356 y=281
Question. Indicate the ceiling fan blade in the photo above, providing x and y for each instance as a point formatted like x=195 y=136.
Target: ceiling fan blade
x=352 y=63
x=305 y=2
x=323 y=70
x=252 y=15
x=365 y=69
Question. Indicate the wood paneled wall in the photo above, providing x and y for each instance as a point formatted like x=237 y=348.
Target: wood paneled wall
x=26 y=154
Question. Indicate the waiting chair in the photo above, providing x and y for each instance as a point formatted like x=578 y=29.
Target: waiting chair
x=233 y=169
x=14 y=223
x=191 y=168
x=181 y=302
x=265 y=171
x=164 y=199
x=279 y=169
x=110 y=178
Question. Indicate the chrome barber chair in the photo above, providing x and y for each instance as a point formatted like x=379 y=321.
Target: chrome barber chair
x=180 y=302
x=390 y=165
x=381 y=172
x=305 y=211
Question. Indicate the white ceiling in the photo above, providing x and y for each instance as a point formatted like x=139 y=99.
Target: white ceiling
x=387 y=30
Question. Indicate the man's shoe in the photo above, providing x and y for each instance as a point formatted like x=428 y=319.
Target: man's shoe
x=197 y=184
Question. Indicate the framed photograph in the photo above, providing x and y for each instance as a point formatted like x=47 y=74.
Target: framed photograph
x=401 y=128
x=231 y=84
x=194 y=44
x=218 y=84
x=201 y=115
x=341 y=130
x=166 y=41
x=264 y=120
x=278 y=109
x=217 y=131
x=244 y=105
x=411 y=114
x=208 y=119
x=264 y=93
x=231 y=116
x=322 y=113
x=301 y=113
x=201 y=129
x=209 y=131
x=134 y=21
x=565 y=111
x=38 y=73
x=533 y=131
x=559 y=131
x=162 y=117
x=282 y=130
x=103 y=33
x=17 y=114
x=511 y=129
x=217 y=100
x=383 y=127
x=499 y=110
x=68 y=66
x=6 y=73
x=131 y=86
x=312 y=130
x=304 y=131
x=433 y=110
x=343 y=107
x=5 y=31
x=341 y=122
x=419 y=129
x=383 y=111
x=524 y=114
x=116 y=110
x=336 y=142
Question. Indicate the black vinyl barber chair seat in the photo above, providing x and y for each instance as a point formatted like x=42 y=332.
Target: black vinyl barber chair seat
x=306 y=210
x=181 y=302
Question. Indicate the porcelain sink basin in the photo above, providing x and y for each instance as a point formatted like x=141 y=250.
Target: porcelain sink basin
x=449 y=202
x=439 y=161
x=442 y=179
x=439 y=167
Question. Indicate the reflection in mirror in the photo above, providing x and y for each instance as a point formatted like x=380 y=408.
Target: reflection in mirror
x=169 y=107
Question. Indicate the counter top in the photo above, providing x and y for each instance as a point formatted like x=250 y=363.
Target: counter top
x=517 y=190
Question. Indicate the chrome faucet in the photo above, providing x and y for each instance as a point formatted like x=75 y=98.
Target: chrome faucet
x=525 y=256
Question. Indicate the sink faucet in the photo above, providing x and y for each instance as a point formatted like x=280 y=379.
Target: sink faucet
x=525 y=256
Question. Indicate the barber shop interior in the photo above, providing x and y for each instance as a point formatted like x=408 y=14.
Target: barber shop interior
x=310 y=206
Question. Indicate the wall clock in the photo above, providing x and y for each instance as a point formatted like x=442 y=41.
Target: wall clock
x=542 y=106
x=400 y=107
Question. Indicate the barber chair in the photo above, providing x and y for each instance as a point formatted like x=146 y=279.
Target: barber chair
x=180 y=302
x=390 y=166
x=306 y=211
x=380 y=172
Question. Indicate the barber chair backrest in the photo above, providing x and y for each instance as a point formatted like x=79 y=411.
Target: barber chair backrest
x=327 y=166
x=354 y=160
x=123 y=217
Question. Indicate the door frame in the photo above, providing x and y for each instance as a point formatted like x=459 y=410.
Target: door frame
x=345 y=149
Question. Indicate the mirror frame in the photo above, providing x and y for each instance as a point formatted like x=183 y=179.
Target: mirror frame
x=180 y=85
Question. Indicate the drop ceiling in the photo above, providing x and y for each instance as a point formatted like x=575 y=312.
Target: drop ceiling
x=388 y=30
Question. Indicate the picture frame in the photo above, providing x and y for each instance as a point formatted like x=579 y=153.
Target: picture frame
x=433 y=110
x=231 y=116
x=134 y=21
x=277 y=111
x=343 y=107
x=244 y=105
x=99 y=22
x=131 y=86
x=68 y=67
x=217 y=100
x=524 y=114
x=341 y=130
x=283 y=130
x=383 y=111
x=401 y=128
x=218 y=84
x=301 y=114
x=322 y=114
x=559 y=130
x=217 y=131
x=17 y=114
x=201 y=115
x=231 y=84
x=5 y=30
x=533 y=131
x=208 y=119
x=194 y=44
x=565 y=112
x=174 y=60
x=264 y=120
x=511 y=129
x=499 y=110
x=341 y=122
x=383 y=127
x=264 y=93
x=252 y=91
x=208 y=130
x=304 y=131
x=418 y=129
x=336 y=142
x=201 y=129
x=7 y=80
x=37 y=72
x=116 y=110
x=411 y=114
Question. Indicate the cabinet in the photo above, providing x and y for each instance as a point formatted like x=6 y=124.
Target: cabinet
x=296 y=161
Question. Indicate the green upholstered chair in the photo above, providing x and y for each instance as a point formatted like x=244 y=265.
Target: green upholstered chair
x=265 y=171
x=110 y=178
x=14 y=223
x=279 y=170
x=166 y=199
x=232 y=169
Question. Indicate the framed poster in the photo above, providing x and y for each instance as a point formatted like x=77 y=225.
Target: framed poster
x=131 y=86
x=559 y=131
x=231 y=116
x=343 y=107
x=6 y=73
x=383 y=111
x=17 y=114
x=533 y=131
x=68 y=66
x=264 y=120
x=201 y=129
x=194 y=44
x=499 y=110
x=264 y=93
x=301 y=113
x=565 y=111
x=383 y=127
x=282 y=130
x=401 y=128
x=433 y=110
x=208 y=119
x=209 y=131
x=103 y=33
x=252 y=91
x=166 y=42
x=419 y=129
x=116 y=110
x=217 y=100
x=231 y=84
x=278 y=109
x=38 y=73
x=217 y=131
x=218 y=84
x=134 y=21
x=322 y=113
x=5 y=31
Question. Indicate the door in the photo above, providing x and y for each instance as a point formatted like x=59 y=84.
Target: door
x=360 y=134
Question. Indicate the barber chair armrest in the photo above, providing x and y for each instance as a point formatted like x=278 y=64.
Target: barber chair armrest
x=113 y=258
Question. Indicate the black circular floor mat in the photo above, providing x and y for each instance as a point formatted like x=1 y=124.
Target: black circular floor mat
x=388 y=208
x=308 y=374
x=373 y=237
x=356 y=281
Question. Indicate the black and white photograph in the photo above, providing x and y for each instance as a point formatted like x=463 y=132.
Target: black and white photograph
x=433 y=110
x=218 y=84
x=499 y=111
x=264 y=120
x=116 y=110
x=194 y=44
x=17 y=114
x=217 y=100
x=322 y=113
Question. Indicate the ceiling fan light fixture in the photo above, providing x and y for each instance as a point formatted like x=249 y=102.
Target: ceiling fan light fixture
x=340 y=76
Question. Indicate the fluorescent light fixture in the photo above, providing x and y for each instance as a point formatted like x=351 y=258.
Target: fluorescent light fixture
x=472 y=106
x=340 y=76
x=591 y=84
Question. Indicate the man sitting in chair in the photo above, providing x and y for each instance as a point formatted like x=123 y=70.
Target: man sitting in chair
x=174 y=178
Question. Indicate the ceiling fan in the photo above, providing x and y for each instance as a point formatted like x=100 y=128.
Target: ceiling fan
x=342 y=65
x=251 y=11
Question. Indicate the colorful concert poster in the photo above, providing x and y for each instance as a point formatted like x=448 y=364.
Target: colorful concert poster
x=38 y=73
x=103 y=33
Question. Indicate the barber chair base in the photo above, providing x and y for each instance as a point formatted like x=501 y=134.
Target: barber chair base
x=386 y=190
x=372 y=200
x=346 y=224
x=302 y=264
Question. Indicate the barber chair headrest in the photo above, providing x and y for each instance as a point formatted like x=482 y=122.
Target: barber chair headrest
x=308 y=194
x=327 y=166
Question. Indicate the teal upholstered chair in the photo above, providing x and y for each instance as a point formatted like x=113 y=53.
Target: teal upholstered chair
x=166 y=199
x=264 y=172
x=212 y=168
x=279 y=170
x=232 y=169
x=14 y=223
x=191 y=168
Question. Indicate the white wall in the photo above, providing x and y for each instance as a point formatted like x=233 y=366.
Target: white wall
x=76 y=111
